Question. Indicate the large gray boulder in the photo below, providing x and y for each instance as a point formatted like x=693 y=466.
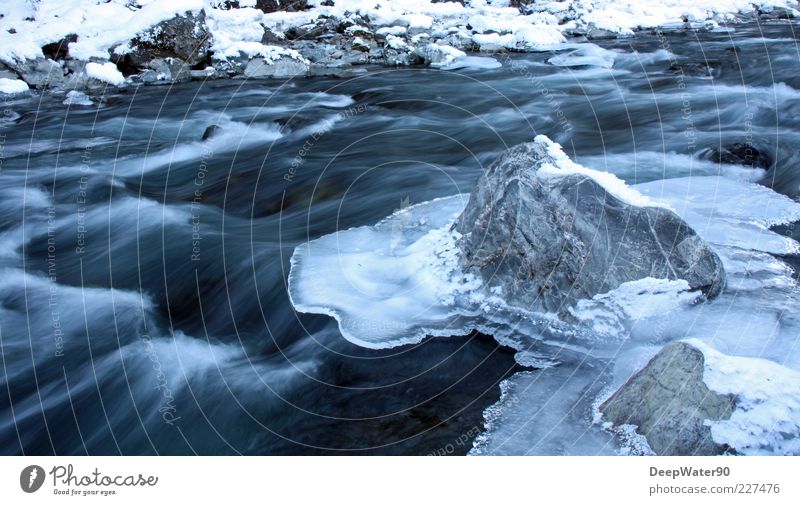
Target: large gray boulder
x=549 y=237
x=281 y=5
x=184 y=36
x=41 y=73
x=669 y=403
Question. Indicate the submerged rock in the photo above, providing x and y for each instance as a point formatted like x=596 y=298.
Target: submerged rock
x=696 y=68
x=742 y=153
x=670 y=403
x=546 y=233
x=211 y=131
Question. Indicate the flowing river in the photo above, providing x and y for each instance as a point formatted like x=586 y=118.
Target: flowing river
x=144 y=269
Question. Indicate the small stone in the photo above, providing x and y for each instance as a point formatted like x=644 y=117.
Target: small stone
x=211 y=131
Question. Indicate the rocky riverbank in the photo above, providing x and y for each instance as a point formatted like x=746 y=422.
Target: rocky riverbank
x=84 y=44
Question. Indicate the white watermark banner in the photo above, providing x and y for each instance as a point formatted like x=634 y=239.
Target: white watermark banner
x=378 y=480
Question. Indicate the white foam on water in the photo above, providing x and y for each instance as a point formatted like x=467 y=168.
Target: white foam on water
x=473 y=62
x=232 y=136
x=322 y=99
x=635 y=59
x=646 y=166
x=590 y=55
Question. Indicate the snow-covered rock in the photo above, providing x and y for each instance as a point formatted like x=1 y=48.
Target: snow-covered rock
x=669 y=403
x=184 y=36
x=75 y=97
x=280 y=68
x=12 y=86
x=41 y=73
x=105 y=72
x=693 y=400
x=438 y=56
x=170 y=69
x=549 y=232
x=767 y=396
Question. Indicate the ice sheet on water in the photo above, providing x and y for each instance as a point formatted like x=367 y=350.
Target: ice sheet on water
x=398 y=281
x=391 y=283
x=608 y=313
x=734 y=216
x=754 y=322
x=546 y=412
x=755 y=314
x=703 y=198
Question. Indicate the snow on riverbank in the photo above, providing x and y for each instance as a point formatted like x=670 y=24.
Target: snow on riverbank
x=105 y=27
x=12 y=86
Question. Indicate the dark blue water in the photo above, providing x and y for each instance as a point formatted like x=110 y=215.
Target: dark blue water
x=143 y=304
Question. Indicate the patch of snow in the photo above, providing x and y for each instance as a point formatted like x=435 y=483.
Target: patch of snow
x=105 y=72
x=560 y=165
x=236 y=31
x=397 y=43
x=12 y=86
x=422 y=21
x=392 y=30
